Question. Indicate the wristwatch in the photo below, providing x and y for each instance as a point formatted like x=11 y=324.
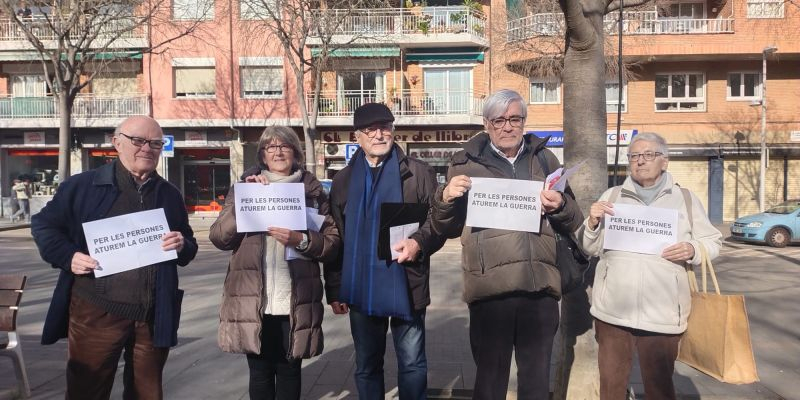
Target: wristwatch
x=303 y=246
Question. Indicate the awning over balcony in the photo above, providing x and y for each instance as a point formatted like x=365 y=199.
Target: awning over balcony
x=361 y=52
x=445 y=54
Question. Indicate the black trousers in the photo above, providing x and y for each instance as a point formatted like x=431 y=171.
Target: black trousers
x=520 y=323
x=272 y=375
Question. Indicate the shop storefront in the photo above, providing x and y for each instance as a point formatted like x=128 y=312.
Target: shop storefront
x=434 y=146
x=31 y=156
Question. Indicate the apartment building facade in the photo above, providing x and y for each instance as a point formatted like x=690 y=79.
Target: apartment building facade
x=696 y=77
x=697 y=73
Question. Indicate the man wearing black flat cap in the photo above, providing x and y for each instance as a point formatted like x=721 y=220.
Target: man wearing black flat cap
x=380 y=293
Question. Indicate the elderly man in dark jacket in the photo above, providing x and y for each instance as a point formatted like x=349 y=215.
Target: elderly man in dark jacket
x=380 y=292
x=135 y=311
x=510 y=280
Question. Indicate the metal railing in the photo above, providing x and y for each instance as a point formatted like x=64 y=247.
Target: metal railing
x=634 y=23
x=119 y=28
x=85 y=106
x=395 y=21
x=333 y=103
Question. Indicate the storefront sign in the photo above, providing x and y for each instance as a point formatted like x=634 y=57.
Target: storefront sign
x=794 y=136
x=406 y=136
x=195 y=138
x=34 y=138
x=625 y=136
x=438 y=156
x=556 y=137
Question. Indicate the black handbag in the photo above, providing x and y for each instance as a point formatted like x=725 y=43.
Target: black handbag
x=572 y=264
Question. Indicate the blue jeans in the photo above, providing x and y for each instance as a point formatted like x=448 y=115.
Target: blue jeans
x=369 y=339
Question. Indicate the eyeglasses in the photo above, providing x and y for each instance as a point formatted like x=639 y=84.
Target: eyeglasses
x=648 y=156
x=372 y=131
x=273 y=148
x=515 y=121
x=139 y=142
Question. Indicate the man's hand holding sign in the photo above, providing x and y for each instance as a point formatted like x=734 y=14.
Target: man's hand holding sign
x=127 y=242
x=503 y=203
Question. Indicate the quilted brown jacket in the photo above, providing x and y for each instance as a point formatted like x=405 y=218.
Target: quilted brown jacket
x=243 y=293
x=497 y=262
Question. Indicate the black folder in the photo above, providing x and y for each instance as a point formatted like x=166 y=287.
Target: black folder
x=397 y=214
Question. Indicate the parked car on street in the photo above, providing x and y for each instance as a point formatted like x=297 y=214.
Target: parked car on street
x=777 y=226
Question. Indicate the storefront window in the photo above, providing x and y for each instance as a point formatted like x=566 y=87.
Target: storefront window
x=206 y=178
x=39 y=166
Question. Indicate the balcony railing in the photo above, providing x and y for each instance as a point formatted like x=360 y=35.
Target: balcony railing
x=121 y=28
x=405 y=21
x=634 y=23
x=410 y=102
x=85 y=106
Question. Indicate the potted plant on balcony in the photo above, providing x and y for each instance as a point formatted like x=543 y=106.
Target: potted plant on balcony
x=424 y=24
x=458 y=21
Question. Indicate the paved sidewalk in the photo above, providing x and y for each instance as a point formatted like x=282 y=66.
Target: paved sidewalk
x=197 y=369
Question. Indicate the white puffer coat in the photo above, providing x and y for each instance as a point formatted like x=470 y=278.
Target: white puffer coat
x=644 y=291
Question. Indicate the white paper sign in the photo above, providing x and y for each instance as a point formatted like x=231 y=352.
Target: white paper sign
x=279 y=205
x=505 y=204
x=640 y=229
x=400 y=233
x=127 y=241
x=314 y=222
x=558 y=179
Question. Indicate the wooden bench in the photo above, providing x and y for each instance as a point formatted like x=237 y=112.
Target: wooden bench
x=11 y=287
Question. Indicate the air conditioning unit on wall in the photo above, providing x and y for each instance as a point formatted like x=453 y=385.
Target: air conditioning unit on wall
x=334 y=150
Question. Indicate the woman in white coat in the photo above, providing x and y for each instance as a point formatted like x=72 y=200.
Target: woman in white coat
x=641 y=302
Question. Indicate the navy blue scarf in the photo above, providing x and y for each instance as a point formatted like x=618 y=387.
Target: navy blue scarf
x=373 y=286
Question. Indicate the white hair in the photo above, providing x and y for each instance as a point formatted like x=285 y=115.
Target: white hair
x=651 y=137
x=497 y=104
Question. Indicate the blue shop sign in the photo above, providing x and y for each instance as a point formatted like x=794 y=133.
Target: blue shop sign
x=556 y=137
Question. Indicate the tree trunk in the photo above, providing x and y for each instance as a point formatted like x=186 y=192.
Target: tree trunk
x=584 y=139
x=64 y=135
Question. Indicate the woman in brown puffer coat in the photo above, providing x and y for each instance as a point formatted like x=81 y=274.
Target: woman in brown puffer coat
x=272 y=308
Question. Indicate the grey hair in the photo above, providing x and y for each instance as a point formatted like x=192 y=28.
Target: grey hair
x=497 y=104
x=286 y=135
x=651 y=137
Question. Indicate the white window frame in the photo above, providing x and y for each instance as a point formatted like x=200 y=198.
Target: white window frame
x=195 y=96
x=679 y=3
x=449 y=67
x=38 y=87
x=613 y=103
x=763 y=3
x=757 y=94
x=544 y=81
x=184 y=17
x=670 y=99
x=263 y=95
x=250 y=13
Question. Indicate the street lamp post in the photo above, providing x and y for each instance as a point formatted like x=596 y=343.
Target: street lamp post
x=762 y=176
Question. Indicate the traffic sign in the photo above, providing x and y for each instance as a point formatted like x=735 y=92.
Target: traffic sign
x=349 y=150
x=169 y=146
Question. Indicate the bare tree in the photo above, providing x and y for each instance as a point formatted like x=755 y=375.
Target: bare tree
x=310 y=32
x=77 y=39
x=571 y=40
